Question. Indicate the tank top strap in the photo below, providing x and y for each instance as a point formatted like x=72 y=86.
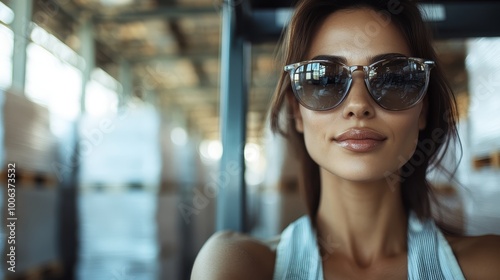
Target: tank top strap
x=297 y=254
x=429 y=254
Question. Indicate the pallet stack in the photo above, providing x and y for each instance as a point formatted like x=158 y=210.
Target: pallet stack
x=29 y=144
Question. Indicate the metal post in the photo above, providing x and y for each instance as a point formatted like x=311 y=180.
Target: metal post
x=125 y=76
x=22 y=17
x=87 y=51
x=233 y=109
x=68 y=213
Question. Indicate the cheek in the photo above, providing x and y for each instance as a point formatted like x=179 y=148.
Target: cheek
x=311 y=129
x=315 y=125
x=407 y=135
x=309 y=121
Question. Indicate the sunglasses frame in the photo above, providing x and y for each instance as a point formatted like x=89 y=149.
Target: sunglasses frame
x=428 y=64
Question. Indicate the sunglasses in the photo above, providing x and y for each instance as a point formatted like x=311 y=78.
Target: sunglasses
x=394 y=84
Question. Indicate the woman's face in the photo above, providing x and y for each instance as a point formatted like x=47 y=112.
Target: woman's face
x=359 y=140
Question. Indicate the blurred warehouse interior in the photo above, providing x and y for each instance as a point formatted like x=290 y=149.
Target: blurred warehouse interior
x=113 y=111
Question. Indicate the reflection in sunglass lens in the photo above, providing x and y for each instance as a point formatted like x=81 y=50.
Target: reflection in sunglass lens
x=397 y=84
x=320 y=85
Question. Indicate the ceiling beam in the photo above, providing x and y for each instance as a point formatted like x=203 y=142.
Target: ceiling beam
x=162 y=12
x=183 y=46
x=192 y=55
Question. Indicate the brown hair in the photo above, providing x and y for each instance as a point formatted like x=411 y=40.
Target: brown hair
x=433 y=141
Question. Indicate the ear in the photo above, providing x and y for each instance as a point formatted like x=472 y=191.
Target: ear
x=422 y=118
x=297 y=116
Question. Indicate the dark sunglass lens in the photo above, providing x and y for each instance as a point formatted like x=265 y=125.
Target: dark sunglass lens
x=320 y=85
x=398 y=84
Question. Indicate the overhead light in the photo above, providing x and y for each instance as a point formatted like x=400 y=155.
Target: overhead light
x=179 y=136
x=116 y=2
x=252 y=152
x=211 y=150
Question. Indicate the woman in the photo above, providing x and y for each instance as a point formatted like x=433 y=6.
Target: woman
x=369 y=112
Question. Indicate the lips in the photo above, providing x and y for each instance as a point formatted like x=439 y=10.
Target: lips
x=360 y=139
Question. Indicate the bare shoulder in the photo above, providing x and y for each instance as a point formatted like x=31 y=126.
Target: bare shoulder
x=229 y=255
x=478 y=256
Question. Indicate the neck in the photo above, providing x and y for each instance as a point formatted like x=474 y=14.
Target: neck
x=363 y=221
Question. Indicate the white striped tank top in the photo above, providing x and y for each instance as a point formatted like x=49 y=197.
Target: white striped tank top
x=429 y=254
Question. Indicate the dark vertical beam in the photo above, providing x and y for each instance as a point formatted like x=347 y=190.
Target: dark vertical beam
x=233 y=109
x=69 y=229
x=69 y=219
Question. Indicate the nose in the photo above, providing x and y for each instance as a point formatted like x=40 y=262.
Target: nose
x=358 y=102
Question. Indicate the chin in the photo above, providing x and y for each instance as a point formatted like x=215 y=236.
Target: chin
x=362 y=176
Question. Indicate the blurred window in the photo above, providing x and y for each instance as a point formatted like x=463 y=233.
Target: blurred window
x=53 y=82
x=7 y=39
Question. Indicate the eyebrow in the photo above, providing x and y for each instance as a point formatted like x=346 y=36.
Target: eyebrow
x=371 y=59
